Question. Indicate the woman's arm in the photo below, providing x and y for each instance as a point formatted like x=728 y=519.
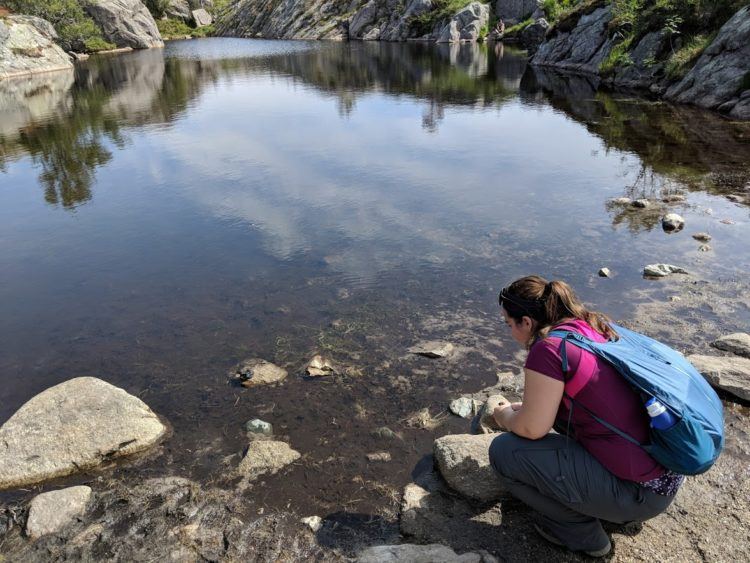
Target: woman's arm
x=541 y=400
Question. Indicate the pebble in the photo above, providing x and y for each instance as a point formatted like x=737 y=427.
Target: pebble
x=605 y=273
x=320 y=366
x=432 y=349
x=378 y=456
x=703 y=237
x=704 y=247
x=674 y=198
x=257 y=426
x=675 y=298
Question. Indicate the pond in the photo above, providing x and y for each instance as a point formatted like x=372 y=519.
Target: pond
x=166 y=214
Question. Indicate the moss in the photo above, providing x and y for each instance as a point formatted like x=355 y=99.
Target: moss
x=618 y=57
x=682 y=60
x=177 y=29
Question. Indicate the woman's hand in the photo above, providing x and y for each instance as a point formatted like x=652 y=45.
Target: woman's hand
x=500 y=414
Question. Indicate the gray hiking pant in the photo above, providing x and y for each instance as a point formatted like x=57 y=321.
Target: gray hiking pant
x=571 y=490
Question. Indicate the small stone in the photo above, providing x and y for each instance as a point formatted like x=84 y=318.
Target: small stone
x=52 y=511
x=257 y=426
x=727 y=221
x=378 y=456
x=605 y=273
x=662 y=270
x=621 y=201
x=463 y=407
x=256 y=371
x=672 y=222
x=315 y=523
x=737 y=343
x=432 y=349
x=320 y=366
x=641 y=203
x=703 y=237
x=385 y=433
x=704 y=247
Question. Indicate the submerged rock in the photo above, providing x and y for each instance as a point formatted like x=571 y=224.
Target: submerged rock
x=410 y=553
x=71 y=427
x=126 y=23
x=320 y=366
x=257 y=426
x=52 y=511
x=432 y=349
x=641 y=203
x=464 y=463
x=256 y=371
x=605 y=273
x=704 y=248
x=703 y=237
x=268 y=456
x=737 y=343
x=662 y=270
x=27 y=46
x=730 y=373
x=672 y=222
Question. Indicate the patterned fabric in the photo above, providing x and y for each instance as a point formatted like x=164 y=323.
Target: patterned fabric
x=666 y=485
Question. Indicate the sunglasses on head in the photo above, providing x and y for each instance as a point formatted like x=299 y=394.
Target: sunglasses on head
x=525 y=304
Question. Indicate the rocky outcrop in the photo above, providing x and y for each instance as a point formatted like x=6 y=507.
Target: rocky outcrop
x=464 y=463
x=27 y=46
x=647 y=68
x=737 y=343
x=52 y=511
x=720 y=79
x=71 y=427
x=384 y=20
x=533 y=35
x=578 y=45
x=732 y=374
x=178 y=10
x=466 y=24
x=514 y=11
x=126 y=23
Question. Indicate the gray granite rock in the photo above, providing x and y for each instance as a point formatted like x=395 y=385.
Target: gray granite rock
x=662 y=270
x=126 y=23
x=719 y=79
x=737 y=343
x=466 y=24
x=533 y=35
x=672 y=222
x=71 y=427
x=514 y=11
x=27 y=46
x=50 y=512
x=730 y=373
x=201 y=17
x=464 y=463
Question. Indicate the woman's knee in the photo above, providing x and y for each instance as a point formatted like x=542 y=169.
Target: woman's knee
x=502 y=451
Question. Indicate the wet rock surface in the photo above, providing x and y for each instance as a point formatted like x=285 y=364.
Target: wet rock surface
x=73 y=426
x=27 y=46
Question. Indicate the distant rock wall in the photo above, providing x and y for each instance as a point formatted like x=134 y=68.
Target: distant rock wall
x=27 y=46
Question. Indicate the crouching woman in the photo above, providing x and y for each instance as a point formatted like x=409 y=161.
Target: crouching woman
x=585 y=473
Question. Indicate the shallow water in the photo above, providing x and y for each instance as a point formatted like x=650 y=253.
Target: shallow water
x=165 y=214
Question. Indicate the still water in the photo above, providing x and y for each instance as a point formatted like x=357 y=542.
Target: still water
x=165 y=214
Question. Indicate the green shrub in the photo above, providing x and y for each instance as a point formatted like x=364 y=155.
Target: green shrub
x=518 y=28
x=75 y=29
x=553 y=9
x=682 y=60
x=442 y=10
x=618 y=57
x=177 y=29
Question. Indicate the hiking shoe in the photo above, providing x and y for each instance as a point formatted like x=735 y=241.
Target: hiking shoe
x=552 y=539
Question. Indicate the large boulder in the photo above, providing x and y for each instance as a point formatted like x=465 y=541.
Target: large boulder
x=732 y=374
x=721 y=78
x=464 y=463
x=514 y=11
x=466 y=24
x=179 y=10
x=126 y=23
x=579 y=46
x=27 y=46
x=52 y=511
x=410 y=553
x=737 y=343
x=71 y=427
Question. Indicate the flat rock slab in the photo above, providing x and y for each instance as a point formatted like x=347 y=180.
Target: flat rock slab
x=464 y=462
x=730 y=373
x=432 y=349
x=410 y=553
x=737 y=343
x=52 y=511
x=71 y=427
x=266 y=457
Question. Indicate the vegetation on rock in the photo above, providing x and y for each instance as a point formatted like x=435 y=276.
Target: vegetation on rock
x=178 y=29
x=76 y=31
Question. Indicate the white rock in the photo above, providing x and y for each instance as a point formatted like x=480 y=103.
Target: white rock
x=672 y=222
x=266 y=457
x=464 y=407
x=71 y=427
x=410 y=553
x=433 y=349
x=464 y=463
x=258 y=426
x=662 y=270
x=605 y=273
x=52 y=511
x=313 y=522
x=730 y=373
x=737 y=343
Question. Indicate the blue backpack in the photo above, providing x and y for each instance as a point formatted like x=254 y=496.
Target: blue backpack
x=691 y=446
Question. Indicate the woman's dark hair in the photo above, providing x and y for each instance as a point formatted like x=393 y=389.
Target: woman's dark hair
x=548 y=303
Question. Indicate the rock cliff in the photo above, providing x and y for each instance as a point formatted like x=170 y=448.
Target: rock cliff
x=27 y=46
x=126 y=23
